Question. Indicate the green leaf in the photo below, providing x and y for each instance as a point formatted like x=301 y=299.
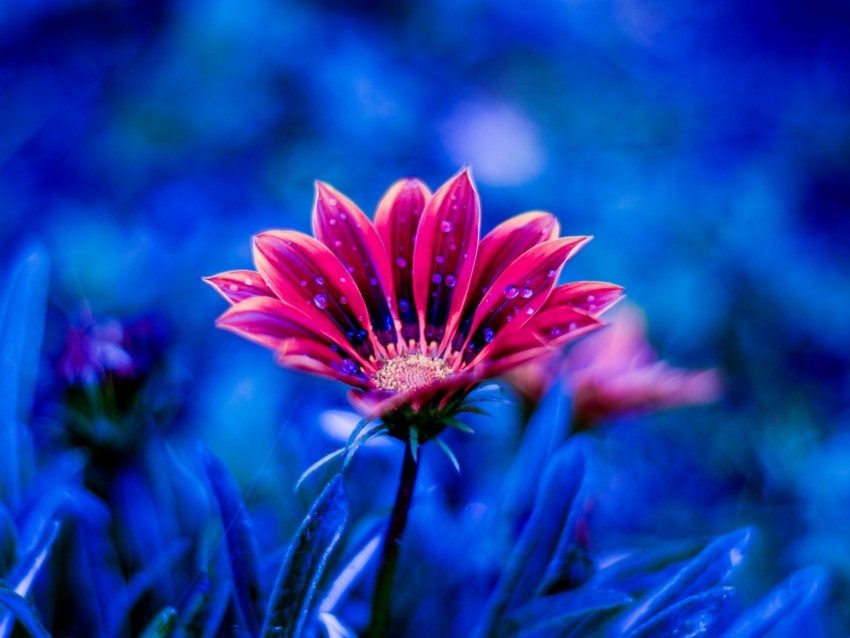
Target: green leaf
x=691 y=617
x=23 y=610
x=318 y=464
x=289 y=605
x=350 y=452
x=361 y=425
x=445 y=448
x=162 y=624
x=21 y=328
x=460 y=425
x=473 y=409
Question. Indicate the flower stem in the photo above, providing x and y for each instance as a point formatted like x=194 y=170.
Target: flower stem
x=392 y=543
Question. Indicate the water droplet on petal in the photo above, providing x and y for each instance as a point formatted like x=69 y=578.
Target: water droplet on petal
x=343 y=216
x=320 y=281
x=488 y=335
x=555 y=332
x=590 y=297
x=452 y=246
x=509 y=318
x=400 y=262
x=343 y=300
x=321 y=301
x=527 y=292
x=511 y=292
x=303 y=283
x=439 y=259
x=338 y=243
x=350 y=269
x=451 y=280
x=572 y=326
x=437 y=278
x=342 y=280
x=446 y=226
x=373 y=281
x=550 y=273
x=250 y=282
x=333 y=222
x=529 y=310
x=349 y=367
x=331 y=201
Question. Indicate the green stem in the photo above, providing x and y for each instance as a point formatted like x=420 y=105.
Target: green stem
x=392 y=543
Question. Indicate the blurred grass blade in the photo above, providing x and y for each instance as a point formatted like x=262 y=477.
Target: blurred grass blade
x=711 y=567
x=162 y=624
x=792 y=608
x=318 y=465
x=539 y=538
x=547 y=615
x=333 y=627
x=24 y=612
x=22 y=309
x=690 y=617
x=240 y=540
x=289 y=605
x=352 y=572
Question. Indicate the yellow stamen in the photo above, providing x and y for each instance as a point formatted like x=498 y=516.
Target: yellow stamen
x=410 y=372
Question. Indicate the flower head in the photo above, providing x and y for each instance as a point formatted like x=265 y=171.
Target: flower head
x=412 y=310
x=618 y=372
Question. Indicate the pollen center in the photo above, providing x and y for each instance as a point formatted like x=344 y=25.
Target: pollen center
x=410 y=372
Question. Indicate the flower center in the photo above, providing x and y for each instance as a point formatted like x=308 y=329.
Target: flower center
x=410 y=372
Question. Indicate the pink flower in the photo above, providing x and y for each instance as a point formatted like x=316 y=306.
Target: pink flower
x=412 y=310
x=617 y=372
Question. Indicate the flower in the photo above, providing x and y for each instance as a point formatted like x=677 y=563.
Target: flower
x=617 y=372
x=412 y=310
x=92 y=351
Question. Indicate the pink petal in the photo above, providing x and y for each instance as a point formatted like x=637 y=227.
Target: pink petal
x=518 y=293
x=237 y=285
x=319 y=359
x=499 y=248
x=349 y=234
x=304 y=272
x=594 y=297
x=397 y=219
x=443 y=258
x=276 y=325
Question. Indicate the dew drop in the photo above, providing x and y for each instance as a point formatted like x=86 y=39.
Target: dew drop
x=320 y=281
x=439 y=259
x=333 y=222
x=511 y=292
x=349 y=367
x=250 y=282
x=509 y=318
x=373 y=281
x=343 y=300
x=400 y=262
x=446 y=226
x=360 y=317
x=403 y=305
x=591 y=306
x=233 y=287
x=338 y=243
x=343 y=216
x=555 y=332
x=572 y=326
x=452 y=246
x=437 y=278
x=303 y=283
x=527 y=292
x=529 y=310
x=321 y=301
x=550 y=273
x=331 y=201
x=488 y=335
x=350 y=269
x=590 y=297
x=342 y=280
x=451 y=280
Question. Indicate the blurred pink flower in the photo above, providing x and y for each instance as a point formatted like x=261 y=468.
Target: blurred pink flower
x=411 y=310
x=617 y=371
x=92 y=351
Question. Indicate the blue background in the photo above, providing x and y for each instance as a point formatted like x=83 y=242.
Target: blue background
x=706 y=146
